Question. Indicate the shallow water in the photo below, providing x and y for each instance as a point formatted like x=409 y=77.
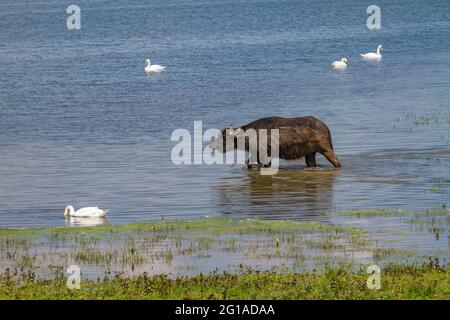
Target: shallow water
x=82 y=124
x=234 y=245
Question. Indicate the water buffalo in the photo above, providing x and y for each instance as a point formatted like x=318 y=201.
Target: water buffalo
x=298 y=137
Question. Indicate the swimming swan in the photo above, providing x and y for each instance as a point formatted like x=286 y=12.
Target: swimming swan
x=373 y=55
x=88 y=212
x=153 y=68
x=340 y=64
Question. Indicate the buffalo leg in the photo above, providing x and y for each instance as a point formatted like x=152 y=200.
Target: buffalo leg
x=311 y=160
x=250 y=163
x=264 y=165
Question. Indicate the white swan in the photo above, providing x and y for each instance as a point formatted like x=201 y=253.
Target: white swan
x=373 y=55
x=153 y=68
x=88 y=212
x=340 y=64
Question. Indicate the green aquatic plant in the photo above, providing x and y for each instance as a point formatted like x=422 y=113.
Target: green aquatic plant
x=429 y=281
x=267 y=244
x=368 y=213
x=214 y=226
x=381 y=253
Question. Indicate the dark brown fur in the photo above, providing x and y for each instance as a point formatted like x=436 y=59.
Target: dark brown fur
x=299 y=137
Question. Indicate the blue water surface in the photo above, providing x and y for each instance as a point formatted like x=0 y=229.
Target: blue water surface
x=82 y=124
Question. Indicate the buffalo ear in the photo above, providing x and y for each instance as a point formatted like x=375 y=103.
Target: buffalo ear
x=230 y=131
x=237 y=132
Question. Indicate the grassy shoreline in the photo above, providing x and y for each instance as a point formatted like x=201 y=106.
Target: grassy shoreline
x=260 y=259
x=397 y=282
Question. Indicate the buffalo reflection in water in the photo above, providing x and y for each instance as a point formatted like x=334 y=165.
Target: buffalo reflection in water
x=293 y=193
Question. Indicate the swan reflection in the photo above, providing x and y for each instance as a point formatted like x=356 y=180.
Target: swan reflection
x=85 y=222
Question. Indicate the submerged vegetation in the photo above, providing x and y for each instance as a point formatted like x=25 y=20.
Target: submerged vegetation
x=368 y=213
x=229 y=258
x=213 y=225
x=177 y=247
